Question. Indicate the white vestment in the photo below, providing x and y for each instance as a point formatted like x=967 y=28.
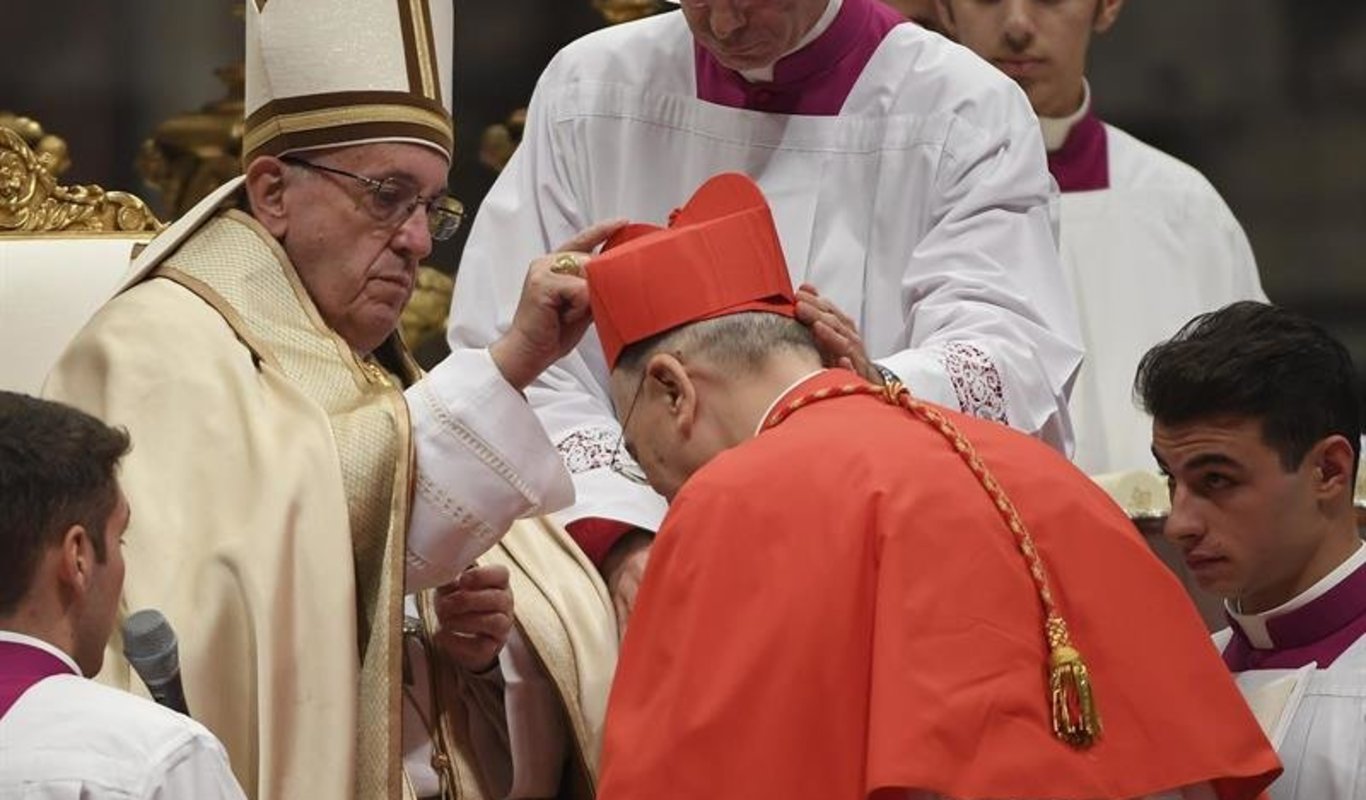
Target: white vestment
x=70 y=738
x=921 y=210
x=1323 y=746
x=1317 y=720
x=1142 y=257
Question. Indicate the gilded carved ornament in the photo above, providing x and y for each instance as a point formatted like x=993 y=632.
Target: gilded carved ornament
x=500 y=141
x=424 y=318
x=32 y=201
x=617 y=11
x=190 y=155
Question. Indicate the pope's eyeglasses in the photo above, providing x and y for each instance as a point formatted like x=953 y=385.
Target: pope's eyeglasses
x=391 y=201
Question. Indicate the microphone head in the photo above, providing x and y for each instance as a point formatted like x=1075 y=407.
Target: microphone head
x=150 y=646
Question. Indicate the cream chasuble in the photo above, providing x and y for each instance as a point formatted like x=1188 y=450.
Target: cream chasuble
x=270 y=519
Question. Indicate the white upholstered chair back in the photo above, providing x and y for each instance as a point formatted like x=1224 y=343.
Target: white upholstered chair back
x=64 y=250
x=49 y=287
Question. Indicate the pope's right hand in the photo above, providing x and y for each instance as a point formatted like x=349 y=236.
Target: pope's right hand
x=553 y=312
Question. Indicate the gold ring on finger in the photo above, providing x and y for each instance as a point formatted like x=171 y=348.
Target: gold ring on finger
x=565 y=264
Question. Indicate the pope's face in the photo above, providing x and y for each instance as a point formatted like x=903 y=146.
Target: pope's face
x=1248 y=528
x=748 y=34
x=1040 y=44
x=359 y=272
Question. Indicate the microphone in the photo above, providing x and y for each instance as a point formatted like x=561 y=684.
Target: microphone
x=150 y=646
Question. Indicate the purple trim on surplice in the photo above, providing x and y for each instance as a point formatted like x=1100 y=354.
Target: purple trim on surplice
x=22 y=666
x=815 y=80
x=1319 y=631
x=1082 y=164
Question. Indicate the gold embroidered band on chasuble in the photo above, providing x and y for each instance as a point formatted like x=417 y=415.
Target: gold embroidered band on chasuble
x=236 y=267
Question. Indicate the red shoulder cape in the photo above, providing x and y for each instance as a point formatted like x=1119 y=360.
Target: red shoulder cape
x=835 y=608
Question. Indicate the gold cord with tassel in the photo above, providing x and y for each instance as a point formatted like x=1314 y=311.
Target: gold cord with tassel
x=1071 y=697
x=1075 y=720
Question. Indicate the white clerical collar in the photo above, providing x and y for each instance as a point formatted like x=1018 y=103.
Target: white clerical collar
x=784 y=393
x=1254 y=625
x=46 y=647
x=832 y=9
x=1055 y=129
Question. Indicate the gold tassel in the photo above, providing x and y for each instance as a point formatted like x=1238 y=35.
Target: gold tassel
x=1075 y=720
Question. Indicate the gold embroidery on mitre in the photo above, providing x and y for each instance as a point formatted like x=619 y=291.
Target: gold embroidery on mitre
x=425 y=48
x=369 y=114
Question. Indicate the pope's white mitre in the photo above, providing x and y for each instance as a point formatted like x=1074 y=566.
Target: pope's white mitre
x=323 y=73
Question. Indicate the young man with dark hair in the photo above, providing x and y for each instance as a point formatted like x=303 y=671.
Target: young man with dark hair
x=62 y=518
x=858 y=594
x=1146 y=241
x=1256 y=421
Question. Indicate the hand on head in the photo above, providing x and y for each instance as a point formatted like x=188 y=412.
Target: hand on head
x=553 y=312
x=836 y=335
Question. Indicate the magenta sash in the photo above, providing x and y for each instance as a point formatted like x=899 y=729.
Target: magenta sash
x=21 y=667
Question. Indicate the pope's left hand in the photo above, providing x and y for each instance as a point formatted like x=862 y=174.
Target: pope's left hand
x=474 y=613
x=836 y=336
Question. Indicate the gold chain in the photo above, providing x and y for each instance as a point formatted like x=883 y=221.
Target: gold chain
x=1072 y=701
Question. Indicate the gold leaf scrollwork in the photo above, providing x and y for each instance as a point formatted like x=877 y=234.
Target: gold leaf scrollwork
x=32 y=201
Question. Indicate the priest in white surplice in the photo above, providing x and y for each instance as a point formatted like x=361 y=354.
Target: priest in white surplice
x=908 y=182
x=1146 y=241
x=1256 y=418
x=294 y=471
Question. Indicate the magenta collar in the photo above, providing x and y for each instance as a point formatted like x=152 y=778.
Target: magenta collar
x=1320 y=630
x=1082 y=164
x=21 y=667
x=815 y=80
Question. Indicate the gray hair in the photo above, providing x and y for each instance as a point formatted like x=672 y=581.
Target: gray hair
x=743 y=341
